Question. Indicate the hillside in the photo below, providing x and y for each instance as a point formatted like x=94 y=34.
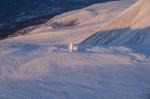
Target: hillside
x=87 y=21
x=19 y=14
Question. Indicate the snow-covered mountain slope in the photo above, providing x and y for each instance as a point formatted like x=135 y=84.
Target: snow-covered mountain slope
x=38 y=65
x=132 y=27
x=18 y=14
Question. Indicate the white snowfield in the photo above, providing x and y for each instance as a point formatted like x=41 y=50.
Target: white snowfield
x=38 y=65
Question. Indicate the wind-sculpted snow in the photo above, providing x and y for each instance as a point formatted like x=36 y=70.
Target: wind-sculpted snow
x=20 y=54
x=41 y=71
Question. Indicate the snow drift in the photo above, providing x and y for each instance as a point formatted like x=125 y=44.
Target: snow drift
x=132 y=27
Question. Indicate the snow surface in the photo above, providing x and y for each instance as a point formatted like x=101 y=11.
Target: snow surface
x=38 y=71
x=38 y=65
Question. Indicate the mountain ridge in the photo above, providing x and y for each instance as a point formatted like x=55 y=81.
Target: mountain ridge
x=124 y=24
